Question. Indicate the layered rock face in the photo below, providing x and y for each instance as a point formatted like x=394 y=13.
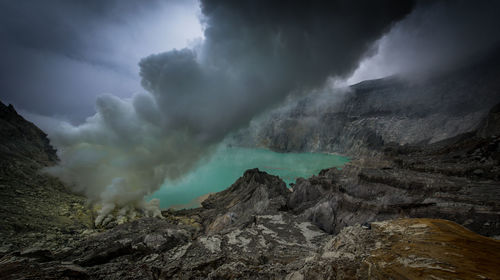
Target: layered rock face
x=364 y=117
x=456 y=179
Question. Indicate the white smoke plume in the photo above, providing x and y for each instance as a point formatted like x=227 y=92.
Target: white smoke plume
x=123 y=153
x=254 y=54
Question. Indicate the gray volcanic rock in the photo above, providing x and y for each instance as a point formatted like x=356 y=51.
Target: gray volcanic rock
x=457 y=179
x=363 y=118
x=259 y=229
x=22 y=139
x=254 y=193
x=261 y=240
x=267 y=249
x=275 y=248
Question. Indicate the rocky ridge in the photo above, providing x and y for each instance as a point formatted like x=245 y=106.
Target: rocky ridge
x=362 y=119
x=273 y=243
x=361 y=222
x=456 y=179
x=34 y=208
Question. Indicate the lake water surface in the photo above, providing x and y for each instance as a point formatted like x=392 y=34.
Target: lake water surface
x=229 y=163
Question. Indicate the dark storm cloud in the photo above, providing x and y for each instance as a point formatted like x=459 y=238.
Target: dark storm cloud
x=254 y=54
x=257 y=52
x=57 y=55
x=436 y=36
x=70 y=28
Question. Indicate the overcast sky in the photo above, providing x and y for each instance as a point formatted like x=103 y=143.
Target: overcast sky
x=436 y=36
x=59 y=55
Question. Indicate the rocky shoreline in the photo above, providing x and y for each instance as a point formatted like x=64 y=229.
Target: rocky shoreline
x=377 y=218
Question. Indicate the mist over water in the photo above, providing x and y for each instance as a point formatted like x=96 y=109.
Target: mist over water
x=229 y=163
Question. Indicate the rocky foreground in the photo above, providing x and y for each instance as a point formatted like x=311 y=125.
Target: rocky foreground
x=414 y=212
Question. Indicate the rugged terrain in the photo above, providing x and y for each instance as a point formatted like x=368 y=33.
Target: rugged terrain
x=377 y=218
x=363 y=118
x=456 y=179
x=33 y=205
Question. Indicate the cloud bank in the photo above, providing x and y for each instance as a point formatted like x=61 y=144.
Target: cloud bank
x=59 y=55
x=255 y=53
x=437 y=36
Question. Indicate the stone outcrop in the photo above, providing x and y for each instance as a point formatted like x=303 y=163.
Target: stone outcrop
x=22 y=139
x=276 y=247
x=260 y=240
x=253 y=194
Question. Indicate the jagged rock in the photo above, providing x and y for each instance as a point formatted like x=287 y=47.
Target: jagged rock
x=22 y=139
x=258 y=229
x=441 y=180
x=264 y=250
x=255 y=193
x=369 y=115
x=307 y=192
x=143 y=236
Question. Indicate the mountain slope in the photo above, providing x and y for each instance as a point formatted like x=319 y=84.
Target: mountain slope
x=32 y=204
x=368 y=115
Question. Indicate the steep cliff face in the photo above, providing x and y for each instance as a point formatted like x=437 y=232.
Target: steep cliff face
x=32 y=204
x=22 y=139
x=372 y=113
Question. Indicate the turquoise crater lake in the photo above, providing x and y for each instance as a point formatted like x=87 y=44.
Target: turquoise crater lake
x=229 y=163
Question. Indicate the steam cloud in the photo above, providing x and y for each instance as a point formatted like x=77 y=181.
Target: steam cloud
x=254 y=54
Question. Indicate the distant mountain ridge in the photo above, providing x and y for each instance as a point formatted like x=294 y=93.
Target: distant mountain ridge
x=376 y=112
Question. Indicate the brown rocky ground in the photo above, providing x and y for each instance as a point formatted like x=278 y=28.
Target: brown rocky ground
x=405 y=249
